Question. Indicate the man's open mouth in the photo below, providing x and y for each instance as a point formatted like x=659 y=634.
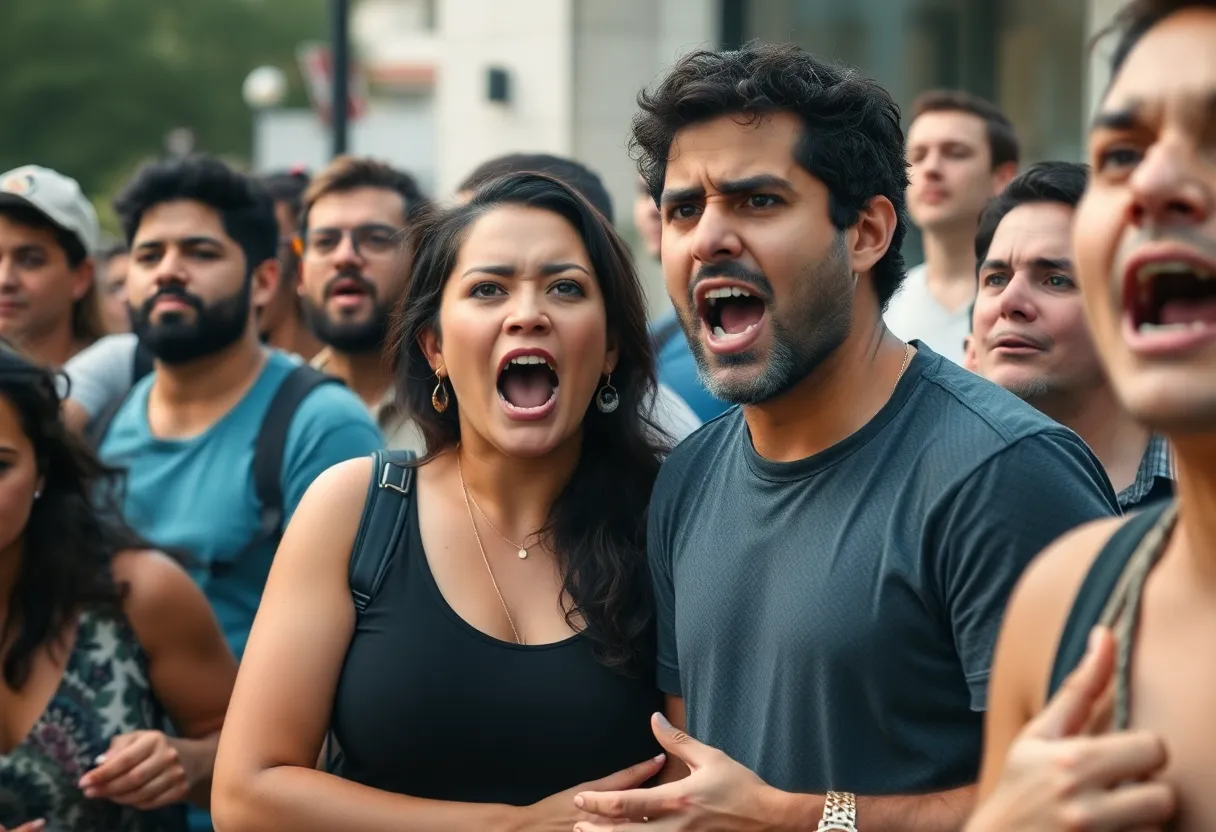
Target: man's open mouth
x=527 y=382
x=1161 y=296
x=731 y=310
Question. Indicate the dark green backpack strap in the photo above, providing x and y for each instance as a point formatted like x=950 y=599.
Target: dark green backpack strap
x=1096 y=589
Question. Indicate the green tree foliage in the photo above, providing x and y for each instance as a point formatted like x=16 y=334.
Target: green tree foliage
x=92 y=87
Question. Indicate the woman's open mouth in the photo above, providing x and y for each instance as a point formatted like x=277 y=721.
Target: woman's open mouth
x=527 y=384
x=732 y=316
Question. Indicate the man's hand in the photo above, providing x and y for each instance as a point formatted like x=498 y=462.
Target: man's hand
x=143 y=769
x=719 y=794
x=1056 y=777
x=32 y=826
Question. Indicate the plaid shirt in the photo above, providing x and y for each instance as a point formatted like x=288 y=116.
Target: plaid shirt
x=1154 y=478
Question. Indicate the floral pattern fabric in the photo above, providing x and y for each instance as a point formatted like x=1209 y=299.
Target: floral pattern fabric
x=104 y=692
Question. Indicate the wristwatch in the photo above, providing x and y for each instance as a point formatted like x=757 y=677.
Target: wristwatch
x=839 y=813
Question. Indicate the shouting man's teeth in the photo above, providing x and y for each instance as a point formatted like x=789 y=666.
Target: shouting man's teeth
x=1150 y=329
x=714 y=295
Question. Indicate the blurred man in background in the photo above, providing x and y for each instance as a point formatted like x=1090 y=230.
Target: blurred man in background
x=48 y=231
x=1030 y=333
x=112 y=262
x=962 y=151
x=281 y=320
x=352 y=275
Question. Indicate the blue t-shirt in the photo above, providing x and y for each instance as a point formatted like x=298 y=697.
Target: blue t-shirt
x=197 y=495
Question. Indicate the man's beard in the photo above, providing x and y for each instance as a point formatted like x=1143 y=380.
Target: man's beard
x=175 y=340
x=353 y=337
x=806 y=330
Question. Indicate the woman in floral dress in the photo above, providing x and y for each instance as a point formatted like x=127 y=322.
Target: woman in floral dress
x=114 y=675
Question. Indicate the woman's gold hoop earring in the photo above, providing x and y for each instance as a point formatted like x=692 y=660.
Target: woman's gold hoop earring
x=607 y=399
x=439 y=398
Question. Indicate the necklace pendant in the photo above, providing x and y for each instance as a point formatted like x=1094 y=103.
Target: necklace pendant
x=523 y=553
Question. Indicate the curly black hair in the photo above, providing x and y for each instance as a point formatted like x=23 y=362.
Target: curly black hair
x=852 y=139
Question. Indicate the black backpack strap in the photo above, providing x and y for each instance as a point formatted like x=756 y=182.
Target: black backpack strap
x=96 y=430
x=383 y=524
x=1096 y=589
x=271 y=446
x=382 y=527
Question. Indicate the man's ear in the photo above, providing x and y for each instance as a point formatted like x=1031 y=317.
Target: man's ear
x=1002 y=175
x=265 y=283
x=83 y=277
x=870 y=236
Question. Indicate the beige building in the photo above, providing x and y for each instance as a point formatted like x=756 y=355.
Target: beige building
x=562 y=75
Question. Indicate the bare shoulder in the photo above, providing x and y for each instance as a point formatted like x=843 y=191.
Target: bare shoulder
x=327 y=518
x=1044 y=597
x=162 y=603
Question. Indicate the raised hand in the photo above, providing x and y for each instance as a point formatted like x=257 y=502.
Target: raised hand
x=1058 y=778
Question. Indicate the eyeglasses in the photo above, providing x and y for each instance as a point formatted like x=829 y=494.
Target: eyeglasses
x=369 y=240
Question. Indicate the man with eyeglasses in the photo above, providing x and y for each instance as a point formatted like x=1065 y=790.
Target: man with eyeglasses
x=351 y=276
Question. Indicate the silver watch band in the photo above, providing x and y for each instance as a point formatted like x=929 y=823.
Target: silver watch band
x=839 y=813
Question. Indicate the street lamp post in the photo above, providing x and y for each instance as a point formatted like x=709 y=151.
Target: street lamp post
x=340 y=99
x=263 y=90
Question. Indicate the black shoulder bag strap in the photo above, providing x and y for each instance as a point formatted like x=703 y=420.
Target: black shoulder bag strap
x=383 y=524
x=382 y=527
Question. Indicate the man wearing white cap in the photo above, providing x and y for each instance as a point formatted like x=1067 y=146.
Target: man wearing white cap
x=48 y=231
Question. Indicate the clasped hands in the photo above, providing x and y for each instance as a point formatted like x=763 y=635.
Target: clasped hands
x=718 y=794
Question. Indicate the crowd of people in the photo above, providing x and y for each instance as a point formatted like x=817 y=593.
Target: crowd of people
x=325 y=504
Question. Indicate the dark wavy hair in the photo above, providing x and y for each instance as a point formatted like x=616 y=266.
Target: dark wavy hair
x=852 y=140
x=1062 y=182
x=245 y=207
x=599 y=540
x=1135 y=20
x=68 y=543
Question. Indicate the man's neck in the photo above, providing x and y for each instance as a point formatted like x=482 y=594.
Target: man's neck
x=1117 y=440
x=294 y=336
x=950 y=266
x=832 y=403
x=1195 y=486
x=186 y=399
x=368 y=374
x=54 y=348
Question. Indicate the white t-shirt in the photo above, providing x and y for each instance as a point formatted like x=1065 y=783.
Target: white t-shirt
x=914 y=313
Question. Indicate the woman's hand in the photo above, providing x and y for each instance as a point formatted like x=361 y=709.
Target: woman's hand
x=144 y=769
x=1058 y=777
x=32 y=826
x=559 y=814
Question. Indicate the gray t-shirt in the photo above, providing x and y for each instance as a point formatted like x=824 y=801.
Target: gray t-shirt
x=830 y=622
x=101 y=374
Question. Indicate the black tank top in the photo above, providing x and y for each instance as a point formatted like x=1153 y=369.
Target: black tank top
x=1100 y=584
x=429 y=706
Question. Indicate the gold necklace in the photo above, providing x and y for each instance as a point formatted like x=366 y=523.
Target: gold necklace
x=481 y=546
x=902 y=367
x=523 y=551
